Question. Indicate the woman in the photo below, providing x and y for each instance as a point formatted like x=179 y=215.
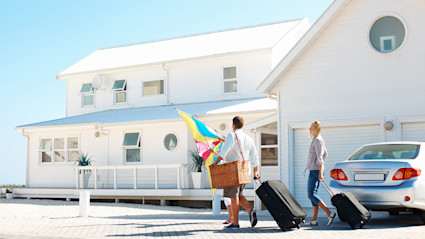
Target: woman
x=315 y=164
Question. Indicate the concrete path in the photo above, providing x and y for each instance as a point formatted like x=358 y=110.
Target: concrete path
x=20 y=218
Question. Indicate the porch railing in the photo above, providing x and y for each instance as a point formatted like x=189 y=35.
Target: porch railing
x=180 y=169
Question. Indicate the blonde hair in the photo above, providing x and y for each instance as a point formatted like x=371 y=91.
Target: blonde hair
x=317 y=128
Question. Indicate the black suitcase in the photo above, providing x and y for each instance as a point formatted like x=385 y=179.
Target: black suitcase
x=283 y=207
x=349 y=209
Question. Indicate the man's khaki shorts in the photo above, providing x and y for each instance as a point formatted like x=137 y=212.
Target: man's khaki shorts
x=233 y=192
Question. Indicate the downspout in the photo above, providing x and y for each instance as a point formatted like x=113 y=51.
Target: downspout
x=167 y=84
x=25 y=134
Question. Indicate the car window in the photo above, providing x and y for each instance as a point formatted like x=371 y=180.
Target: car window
x=386 y=151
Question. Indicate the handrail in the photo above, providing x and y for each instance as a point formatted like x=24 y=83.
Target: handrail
x=179 y=167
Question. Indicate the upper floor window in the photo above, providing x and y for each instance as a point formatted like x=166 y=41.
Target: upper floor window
x=153 y=87
x=387 y=34
x=131 y=146
x=87 y=95
x=269 y=148
x=59 y=150
x=230 y=83
x=120 y=91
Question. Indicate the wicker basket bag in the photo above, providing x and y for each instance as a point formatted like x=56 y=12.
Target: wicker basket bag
x=230 y=174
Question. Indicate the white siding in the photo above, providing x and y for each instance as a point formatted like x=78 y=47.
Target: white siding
x=340 y=142
x=342 y=77
x=107 y=151
x=339 y=77
x=189 y=81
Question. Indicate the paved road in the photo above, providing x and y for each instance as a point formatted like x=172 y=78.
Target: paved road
x=21 y=218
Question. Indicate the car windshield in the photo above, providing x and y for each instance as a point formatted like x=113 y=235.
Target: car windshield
x=386 y=151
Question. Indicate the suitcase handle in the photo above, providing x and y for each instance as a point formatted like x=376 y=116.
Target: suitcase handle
x=326 y=186
x=255 y=180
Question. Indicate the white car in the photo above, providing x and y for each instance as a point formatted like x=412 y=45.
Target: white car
x=385 y=176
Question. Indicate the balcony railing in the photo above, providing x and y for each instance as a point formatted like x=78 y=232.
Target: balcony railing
x=174 y=175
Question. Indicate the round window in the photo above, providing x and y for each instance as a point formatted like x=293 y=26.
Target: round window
x=387 y=34
x=170 y=141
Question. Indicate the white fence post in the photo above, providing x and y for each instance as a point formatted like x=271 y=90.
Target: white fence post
x=178 y=177
x=84 y=203
x=156 y=177
x=115 y=178
x=95 y=178
x=135 y=178
x=77 y=179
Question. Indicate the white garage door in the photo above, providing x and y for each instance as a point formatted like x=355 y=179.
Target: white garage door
x=413 y=131
x=340 y=142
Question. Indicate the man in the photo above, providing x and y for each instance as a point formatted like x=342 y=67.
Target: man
x=236 y=142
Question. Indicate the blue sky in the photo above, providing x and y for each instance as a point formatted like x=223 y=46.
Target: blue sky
x=41 y=38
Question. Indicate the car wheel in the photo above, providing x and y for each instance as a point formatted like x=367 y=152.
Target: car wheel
x=394 y=213
x=422 y=213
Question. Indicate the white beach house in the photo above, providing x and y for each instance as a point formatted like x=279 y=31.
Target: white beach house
x=120 y=109
x=360 y=70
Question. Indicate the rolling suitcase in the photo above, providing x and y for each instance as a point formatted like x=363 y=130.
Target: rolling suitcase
x=283 y=207
x=349 y=209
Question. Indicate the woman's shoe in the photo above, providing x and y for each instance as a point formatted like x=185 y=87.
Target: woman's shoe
x=312 y=223
x=226 y=222
x=331 y=218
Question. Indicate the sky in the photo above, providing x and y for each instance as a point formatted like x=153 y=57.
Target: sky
x=41 y=38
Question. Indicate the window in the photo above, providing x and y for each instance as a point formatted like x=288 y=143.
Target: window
x=387 y=34
x=387 y=151
x=153 y=87
x=170 y=141
x=59 y=150
x=45 y=150
x=59 y=144
x=269 y=150
x=131 y=145
x=72 y=149
x=120 y=91
x=87 y=95
x=229 y=80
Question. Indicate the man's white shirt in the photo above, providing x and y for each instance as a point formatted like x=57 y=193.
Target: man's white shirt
x=230 y=149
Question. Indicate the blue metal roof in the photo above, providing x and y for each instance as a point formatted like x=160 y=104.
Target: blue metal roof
x=165 y=112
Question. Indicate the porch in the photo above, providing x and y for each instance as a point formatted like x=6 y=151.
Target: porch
x=161 y=182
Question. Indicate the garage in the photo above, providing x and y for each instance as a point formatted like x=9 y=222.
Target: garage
x=340 y=142
x=413 y=131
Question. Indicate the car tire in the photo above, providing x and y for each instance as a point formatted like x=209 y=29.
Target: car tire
x=394 y=213
x=422 y=214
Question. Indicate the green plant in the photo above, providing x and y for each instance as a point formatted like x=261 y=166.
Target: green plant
x=84 y=160
x=197 y=161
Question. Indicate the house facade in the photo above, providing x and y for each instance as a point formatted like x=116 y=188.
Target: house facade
x=121 y=110
x=359 y=70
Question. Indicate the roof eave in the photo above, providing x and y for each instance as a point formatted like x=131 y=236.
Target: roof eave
x=271 y=80
x=61 y=76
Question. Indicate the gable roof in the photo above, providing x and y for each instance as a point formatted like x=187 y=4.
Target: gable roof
x=230 y=41
x=159 y=113
x=267 y=85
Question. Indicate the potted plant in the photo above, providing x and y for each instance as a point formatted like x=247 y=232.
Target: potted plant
x=84 y=160
x=9 y=193
x=195 y=167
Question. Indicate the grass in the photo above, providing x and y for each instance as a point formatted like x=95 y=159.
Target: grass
x=12 y=186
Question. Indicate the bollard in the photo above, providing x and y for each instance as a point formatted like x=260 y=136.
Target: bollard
x=217 y=204
x=84 y=203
